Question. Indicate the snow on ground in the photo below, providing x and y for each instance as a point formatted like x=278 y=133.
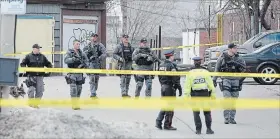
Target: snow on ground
x=30 y=123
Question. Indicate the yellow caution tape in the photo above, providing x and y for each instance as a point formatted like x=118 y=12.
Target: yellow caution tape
x=179 y=47
x=162 y=48
x=151 y=103
x=132 y=72
x=45 y=53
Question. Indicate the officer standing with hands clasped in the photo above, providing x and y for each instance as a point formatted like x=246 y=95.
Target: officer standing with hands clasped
x=35 y=80
x=200 y=86
x=168 y=84
x=144 y=59
x=95 y=52
x=123 y=54
x=231 y=62
x=75 y=58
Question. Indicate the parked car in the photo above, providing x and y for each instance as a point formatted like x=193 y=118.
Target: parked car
x=265 y=60
x=211 y=54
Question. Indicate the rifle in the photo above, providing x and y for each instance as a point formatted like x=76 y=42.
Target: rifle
x=148 y=52
x=93 y=55
x=83 y=63
x=239 y=65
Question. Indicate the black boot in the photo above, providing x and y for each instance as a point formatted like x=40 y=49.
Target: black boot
x=198 y=132
x=158 y=125
x=170 y=128
x=232 y=121
x=226 y=121
x=76 y=108
x=209 y=131
x=94 y=97
x=126 y=96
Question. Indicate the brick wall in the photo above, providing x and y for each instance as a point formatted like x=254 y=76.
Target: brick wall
x=204 y=39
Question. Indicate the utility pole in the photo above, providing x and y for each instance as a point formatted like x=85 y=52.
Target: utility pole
x=159 y=44
x=124 y=15
x=220 y=26
x=209 y=24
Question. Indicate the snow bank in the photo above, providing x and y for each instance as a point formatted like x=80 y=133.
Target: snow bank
x=51 y=123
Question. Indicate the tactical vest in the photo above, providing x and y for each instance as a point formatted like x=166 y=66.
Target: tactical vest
x=91 y=53
x=75 y=64
x=143 y=61
x=228 y=66
x=127 y=53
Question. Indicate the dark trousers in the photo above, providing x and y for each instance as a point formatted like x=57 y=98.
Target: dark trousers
x=166 y=91
x=196 y=113
x=197 y=120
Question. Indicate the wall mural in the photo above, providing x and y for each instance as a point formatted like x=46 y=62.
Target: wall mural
x=80 y=34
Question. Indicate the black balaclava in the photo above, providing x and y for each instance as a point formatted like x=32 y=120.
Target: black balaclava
x=197 y=63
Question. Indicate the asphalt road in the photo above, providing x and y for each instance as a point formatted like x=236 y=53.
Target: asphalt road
x=250 y=123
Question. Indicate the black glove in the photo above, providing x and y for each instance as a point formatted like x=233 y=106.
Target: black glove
x=179 y=88
x=215 y=83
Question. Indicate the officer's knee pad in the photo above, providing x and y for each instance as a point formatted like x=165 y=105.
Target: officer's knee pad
x=149 y=85
x=227 y=88
x=139 y=83
x=235 y=88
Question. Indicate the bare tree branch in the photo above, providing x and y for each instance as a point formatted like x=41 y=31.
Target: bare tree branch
x=263 y=13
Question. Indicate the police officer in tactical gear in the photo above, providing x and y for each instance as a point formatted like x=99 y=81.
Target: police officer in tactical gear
x=168 y=85
x=123 y=54
x=34 y=80
x=95 y=52
x=200 y=86
x=144 y=59
x=230 y=61
x=75 y=58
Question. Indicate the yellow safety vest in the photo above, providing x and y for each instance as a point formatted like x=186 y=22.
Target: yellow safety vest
x=197 y=82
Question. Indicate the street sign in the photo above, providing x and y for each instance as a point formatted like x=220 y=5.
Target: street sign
x=13 y=7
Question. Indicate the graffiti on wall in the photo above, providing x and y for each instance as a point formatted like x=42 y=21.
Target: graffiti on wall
x=82 y=35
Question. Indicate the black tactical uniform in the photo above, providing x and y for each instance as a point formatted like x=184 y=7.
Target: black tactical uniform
x=34 y=80
x=168 y=85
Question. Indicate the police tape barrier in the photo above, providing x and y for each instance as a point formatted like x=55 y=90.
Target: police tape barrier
x=150 y=103
x=132 y=72
x=196 y=45
x=162 y=48
x=45 y=53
